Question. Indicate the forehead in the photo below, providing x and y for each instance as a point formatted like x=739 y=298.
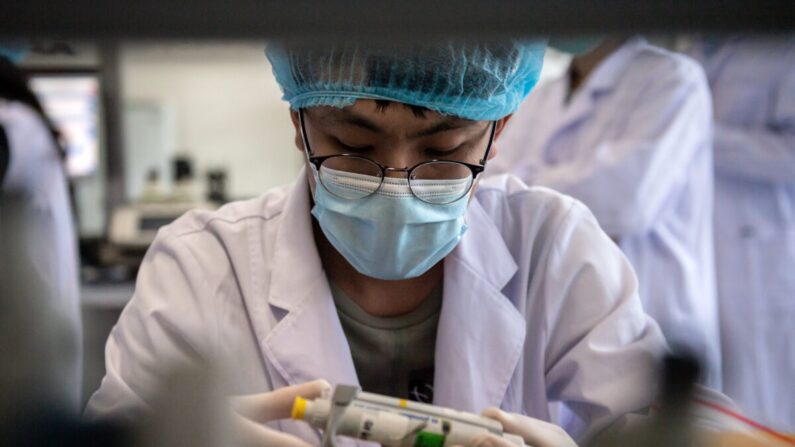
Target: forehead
x=395 y=118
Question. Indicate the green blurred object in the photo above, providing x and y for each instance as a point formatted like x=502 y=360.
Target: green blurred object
x=575 y=45
x=14 y=50
x=426 y=439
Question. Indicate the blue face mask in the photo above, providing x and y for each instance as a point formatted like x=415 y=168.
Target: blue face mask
x=390 y=234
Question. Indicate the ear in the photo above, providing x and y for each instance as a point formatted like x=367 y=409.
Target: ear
x=501 y=123
x=299 y=142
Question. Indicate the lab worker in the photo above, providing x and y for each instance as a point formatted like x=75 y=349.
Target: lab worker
x=627 y=130
x=385 y=264
x=753 y=89
x=39 y=265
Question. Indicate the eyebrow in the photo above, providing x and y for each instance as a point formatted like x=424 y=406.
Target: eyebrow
x=358 y=121
x=447 y=124
x=364 y=123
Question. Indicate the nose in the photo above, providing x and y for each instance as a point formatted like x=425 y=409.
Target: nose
x=396 y=172
x=397 y=160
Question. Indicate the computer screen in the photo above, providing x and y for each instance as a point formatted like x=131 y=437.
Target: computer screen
x=71 y=100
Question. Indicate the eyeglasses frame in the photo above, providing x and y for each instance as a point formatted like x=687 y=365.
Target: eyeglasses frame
x=317 y=160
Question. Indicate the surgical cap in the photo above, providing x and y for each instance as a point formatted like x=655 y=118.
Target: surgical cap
x=477 y=81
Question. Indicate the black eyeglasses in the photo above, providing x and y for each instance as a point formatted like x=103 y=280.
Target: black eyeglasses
x=354 y=177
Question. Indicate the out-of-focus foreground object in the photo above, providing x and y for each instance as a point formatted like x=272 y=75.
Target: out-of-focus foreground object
x=408 y=19
x=692 y=415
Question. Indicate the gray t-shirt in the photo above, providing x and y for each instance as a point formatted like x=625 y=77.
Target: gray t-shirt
x=393 y=356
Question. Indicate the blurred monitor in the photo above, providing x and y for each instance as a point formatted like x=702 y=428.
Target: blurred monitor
x=71 y=100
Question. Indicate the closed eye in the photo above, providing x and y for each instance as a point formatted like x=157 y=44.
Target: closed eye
x=354 y=149
x=441 y=153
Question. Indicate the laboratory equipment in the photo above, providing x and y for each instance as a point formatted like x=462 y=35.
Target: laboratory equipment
x=135 y=225
x=392 y=422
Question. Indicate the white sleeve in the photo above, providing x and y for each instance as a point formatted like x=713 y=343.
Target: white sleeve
x=166 y=324
x=634 y=174
x=603 y=351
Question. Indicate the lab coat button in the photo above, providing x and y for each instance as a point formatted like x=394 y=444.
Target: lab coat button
x=747 y=231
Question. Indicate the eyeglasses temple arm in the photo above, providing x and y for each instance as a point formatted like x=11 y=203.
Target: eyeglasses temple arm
x=307 y=149
x=491 y=141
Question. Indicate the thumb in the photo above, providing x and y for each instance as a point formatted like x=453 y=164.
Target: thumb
x=489 y=440
x=277 y=404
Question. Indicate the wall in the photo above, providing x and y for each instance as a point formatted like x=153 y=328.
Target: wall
x=222 y=107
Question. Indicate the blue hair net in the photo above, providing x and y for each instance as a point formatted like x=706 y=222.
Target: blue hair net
x=477 y=81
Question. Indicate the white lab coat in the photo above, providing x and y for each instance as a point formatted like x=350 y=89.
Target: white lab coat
x=538 y=304
x=39 y=255
x=753 y=85
x=634 y=144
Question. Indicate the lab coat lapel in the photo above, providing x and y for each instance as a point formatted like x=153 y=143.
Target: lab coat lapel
x=481 y=333
x=563 y=116
x=307 y=342
x=584 y=103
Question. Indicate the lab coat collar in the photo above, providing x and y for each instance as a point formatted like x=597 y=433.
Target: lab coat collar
x=296 y=261
x=307 y=343
x=608 y=73
x=482 y=248
x=583 y=104
x=481 y=333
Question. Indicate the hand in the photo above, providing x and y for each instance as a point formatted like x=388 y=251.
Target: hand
x=251 y=411
x=536 y=433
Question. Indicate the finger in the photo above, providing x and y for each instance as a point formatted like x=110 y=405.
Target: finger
x=277 y=404
x=250 y=434
x=489 y=440
x=535 y=432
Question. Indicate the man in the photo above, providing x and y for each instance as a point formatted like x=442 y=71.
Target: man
x=753 y=86
x=628 y=132
x=387 y=264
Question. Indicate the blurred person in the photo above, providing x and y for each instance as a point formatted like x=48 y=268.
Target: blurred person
x=627 y=130
x=34 y=201
x=753 y=89
x=387 y=264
